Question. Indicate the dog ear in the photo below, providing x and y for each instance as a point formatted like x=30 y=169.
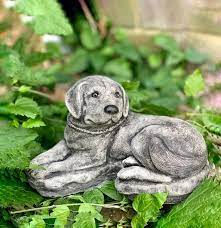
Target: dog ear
x=74 y=100
x=125 y=102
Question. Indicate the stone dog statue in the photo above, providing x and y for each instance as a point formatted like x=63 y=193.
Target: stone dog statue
x=104 y=140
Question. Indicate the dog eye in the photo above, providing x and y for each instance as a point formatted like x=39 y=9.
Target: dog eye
x=95 y=94
x=117 y=94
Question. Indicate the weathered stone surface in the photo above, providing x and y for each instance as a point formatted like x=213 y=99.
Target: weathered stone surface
x=103 y=141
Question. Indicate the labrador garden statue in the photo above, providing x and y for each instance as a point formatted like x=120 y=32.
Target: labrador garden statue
x=104 y=140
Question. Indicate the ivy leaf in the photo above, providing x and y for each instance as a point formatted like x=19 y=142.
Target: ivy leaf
x=17 y=194
x=25 y=106
x=194 y=84
x=147 y=206
x=48 y=17
x=108 y=188
x=200 y=209
x=32 y=123
x=61 y=214
x=15 y=147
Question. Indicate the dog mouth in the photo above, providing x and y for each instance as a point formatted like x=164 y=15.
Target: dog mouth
x=108 y=122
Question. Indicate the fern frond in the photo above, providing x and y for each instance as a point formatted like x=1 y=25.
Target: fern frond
x=16 y=147
x=17 y=194
x=200 y=209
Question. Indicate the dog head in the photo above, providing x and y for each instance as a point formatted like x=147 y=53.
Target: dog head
x=97 y=100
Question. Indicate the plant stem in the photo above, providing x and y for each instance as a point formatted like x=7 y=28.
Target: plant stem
x=88 y=15
x=70 y=204
x=35 y=92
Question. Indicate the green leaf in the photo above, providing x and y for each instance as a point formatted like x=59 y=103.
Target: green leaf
x=88 y=208
x=90 y=39
x=174 y=59
x=138 y=98
x=126 y=50
x=119 y=68
x=35 y=58
x=155 y=60
x=97 y=61
x=30 y=123
x=37 y=222
x=94 y=196
x=120 y=34
x=131 y=86
x=107 y=51
x=167 y=43
x=24 y=89
x=17 y=194
x=17 y=153
x=61 y=214
x=150 y=202
x=84 y=220
x=147 y=206
x=33 y=221
x=193 y=56
x=48 y=16
x=15 y=70
x=212 y=122
x=25 y=106
x=78 y=62
x=138 y=221
x=4 y=50
x=108 y=188
x=200 y=209
x=211 y=118
x=77 y=198
x=194 y=84
x=152 y=109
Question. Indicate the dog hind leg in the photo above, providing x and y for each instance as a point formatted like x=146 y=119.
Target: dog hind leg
x=178 y=151
x=177 y=189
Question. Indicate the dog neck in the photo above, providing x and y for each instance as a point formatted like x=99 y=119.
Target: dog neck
x=77 y=125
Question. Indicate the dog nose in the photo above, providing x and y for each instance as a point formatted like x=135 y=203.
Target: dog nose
x=111 y=109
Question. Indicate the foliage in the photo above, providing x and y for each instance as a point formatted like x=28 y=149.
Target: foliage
x=32 y=120
x=17 y=194
x=47 y=16
x=194 y=84
x=147 y=207
x=200 y=209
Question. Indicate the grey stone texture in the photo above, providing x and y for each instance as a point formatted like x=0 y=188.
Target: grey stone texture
x=104 y=140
